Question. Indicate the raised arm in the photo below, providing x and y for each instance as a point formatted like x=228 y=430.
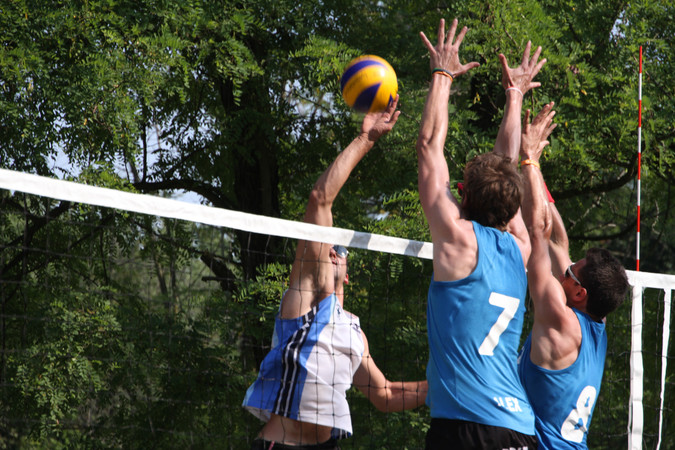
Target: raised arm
x=517 y=82
x=438 y=203
x=556 y=333
x=312 y=276
x=385 y=395
x=546 y=291
x=559 y=246
x=327 y=187
x=536 y=212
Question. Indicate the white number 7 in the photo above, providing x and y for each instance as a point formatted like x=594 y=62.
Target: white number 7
x=510 y=305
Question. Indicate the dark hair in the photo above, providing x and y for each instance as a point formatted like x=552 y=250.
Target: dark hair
x=605 y=281
x=493 y=190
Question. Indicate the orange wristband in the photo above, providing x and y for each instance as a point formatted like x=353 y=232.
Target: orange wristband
x=530 y=162
x=445 y=73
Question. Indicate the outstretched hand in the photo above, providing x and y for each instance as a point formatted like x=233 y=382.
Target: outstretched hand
x=445 y=55
x=377 y=124
x=521 y=77
x=534 y=135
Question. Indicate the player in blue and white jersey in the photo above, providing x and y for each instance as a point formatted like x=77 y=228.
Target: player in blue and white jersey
x=318 y=348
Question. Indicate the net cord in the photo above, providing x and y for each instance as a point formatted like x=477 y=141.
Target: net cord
x=170 y=208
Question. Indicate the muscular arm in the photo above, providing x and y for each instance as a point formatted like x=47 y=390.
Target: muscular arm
x=555 y=333
x=535 y=208
x=312 y=276
x=517 y=82
x=508 y=137
x=559 y=247
x=452 y=237
x=327 y=187
x=440 y=206
x=385 y=395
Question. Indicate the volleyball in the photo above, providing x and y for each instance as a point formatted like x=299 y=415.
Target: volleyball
x=368 y=84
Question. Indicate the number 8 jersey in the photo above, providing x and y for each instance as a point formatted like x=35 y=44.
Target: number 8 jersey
x=563 y=400
x=474 y=328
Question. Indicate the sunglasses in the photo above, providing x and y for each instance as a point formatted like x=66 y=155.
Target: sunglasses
x=569 y=273
x=341 y=251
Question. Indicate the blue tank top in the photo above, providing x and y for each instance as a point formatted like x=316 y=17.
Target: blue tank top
x=564 y=400
x=474 y=327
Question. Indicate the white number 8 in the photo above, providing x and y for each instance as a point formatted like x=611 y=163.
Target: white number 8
x=576 y=425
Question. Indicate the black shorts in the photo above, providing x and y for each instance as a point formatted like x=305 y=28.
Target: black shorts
x=459 y=434
x=261 y=444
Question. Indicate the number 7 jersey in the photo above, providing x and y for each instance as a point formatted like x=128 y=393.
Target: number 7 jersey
x=474 y=327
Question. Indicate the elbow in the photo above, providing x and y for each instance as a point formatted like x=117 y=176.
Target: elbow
x=537 y=233
x=381 y=402
x=381 y=398
x=539 y=227
x=547 y=227
x=425 y=142
x=560 y=241
x=317 y=197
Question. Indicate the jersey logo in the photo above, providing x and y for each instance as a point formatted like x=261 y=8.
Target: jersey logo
x=510 y=403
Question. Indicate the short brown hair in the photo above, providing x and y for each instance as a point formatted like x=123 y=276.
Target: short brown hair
x=493 y=190
x=605 y=281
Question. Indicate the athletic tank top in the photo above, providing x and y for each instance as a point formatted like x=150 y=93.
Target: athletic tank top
x=474 y=327
x=564 y=400
x=309 y=369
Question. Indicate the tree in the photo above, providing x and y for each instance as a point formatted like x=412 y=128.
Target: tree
x=238 y=104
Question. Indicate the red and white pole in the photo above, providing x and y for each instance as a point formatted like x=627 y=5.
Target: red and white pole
x=637 y=253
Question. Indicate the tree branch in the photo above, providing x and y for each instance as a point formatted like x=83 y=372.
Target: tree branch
x=212 y=194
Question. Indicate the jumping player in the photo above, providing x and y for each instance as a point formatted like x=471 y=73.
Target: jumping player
x=318 y=348
x=562 y=361
x=475 y=305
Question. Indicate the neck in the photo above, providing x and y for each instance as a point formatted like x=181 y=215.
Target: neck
x=340 y=294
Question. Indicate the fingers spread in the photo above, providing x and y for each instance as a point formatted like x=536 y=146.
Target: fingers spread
x=526 y=53
x=426 y=42
x=535 y=57
x=451 y=32
x=441 y=31
x=460 y=37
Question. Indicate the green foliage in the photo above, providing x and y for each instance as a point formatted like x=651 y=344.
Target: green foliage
x=56 y=377
x=387 y=293
x=237 y=104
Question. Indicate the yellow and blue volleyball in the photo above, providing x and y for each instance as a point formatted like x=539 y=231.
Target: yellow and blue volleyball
x=368 y=84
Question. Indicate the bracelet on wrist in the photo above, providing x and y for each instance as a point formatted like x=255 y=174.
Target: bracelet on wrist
x=445 y=73
x=513 y=88
x=530 y=162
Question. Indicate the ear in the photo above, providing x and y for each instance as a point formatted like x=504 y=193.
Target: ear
x=580 y=296
x=346 y=278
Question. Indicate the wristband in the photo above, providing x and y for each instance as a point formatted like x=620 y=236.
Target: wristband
x=530 y=162
x=513 y=88
x=445 y=73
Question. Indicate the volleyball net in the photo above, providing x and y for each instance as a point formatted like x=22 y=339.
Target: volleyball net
x=129 y=320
